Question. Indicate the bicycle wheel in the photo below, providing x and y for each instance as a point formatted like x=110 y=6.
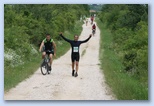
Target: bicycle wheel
x=93 y=32
x=44 y=68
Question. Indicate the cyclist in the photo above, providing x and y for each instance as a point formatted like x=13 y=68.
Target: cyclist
x=94 y=29
x=48 y=46
x=92 y=19
x=75 y=56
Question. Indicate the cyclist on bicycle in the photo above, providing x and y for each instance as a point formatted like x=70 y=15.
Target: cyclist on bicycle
x=92 y=19
x=94 y=29
x=75 y=56
x=48 y=46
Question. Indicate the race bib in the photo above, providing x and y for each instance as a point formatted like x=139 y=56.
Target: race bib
x=75 y=49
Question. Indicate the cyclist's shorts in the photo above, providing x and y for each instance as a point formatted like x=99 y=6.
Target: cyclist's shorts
x=51 y=52
x=75 y=57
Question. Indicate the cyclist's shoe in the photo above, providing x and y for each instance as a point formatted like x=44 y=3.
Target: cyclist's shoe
x=50 y=68
x=49 y=71
x=73 y=72
x=76 y=74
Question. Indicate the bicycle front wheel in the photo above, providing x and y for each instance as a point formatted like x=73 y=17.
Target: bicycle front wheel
x=93 y=32
x=44 y=69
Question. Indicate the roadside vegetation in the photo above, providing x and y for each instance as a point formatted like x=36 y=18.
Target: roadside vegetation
x=124 y=49
x=25 y=26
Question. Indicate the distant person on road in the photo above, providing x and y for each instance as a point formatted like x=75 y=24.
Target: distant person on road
x=48 y=46
x=86 y=21
x=75 y=56
x=94 y=29
x=92 y=19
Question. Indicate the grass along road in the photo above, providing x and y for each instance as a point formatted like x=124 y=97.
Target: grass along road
x=123 y=85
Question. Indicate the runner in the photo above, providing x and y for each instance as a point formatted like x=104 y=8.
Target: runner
x=75 y=56
x=86 y=21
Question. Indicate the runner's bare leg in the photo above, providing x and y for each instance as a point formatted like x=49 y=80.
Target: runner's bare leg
x=77 y=66
x=73 y=65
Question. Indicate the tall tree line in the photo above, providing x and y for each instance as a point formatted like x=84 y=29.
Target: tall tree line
x=25 y=25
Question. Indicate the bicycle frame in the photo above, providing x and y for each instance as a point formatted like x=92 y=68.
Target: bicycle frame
x=47 y=59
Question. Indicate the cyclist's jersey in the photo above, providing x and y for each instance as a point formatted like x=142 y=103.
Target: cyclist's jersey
x=48 y=44
x=93 y=27
x=75 y=44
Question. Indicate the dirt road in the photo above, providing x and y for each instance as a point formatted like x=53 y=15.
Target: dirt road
x=60 y=85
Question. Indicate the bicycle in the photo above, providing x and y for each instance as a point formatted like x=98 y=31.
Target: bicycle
x=45 y=65
x=93 y=31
